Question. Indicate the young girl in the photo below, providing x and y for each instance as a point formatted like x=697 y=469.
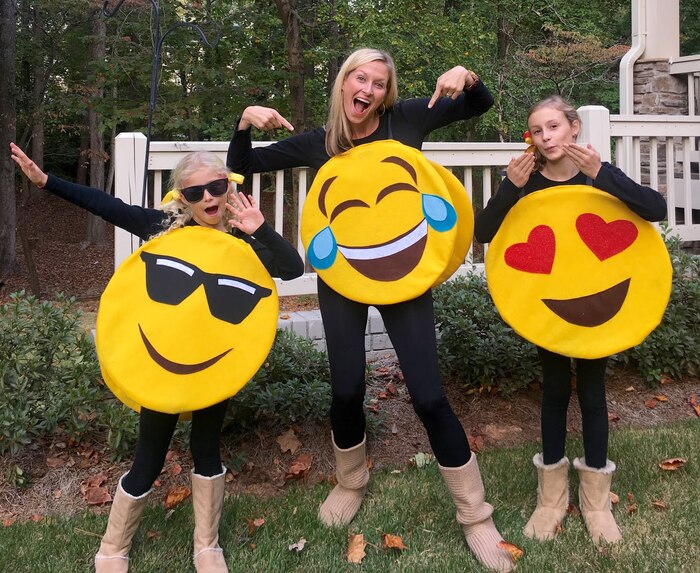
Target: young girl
x=201 y=198
x=557 y=160
x=363 y=109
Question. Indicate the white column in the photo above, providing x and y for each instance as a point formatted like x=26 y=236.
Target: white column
x=595 y=129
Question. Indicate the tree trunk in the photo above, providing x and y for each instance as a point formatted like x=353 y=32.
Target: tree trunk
x=96 y=227
x=290 y=20
x=8 y=126
x=38 y=74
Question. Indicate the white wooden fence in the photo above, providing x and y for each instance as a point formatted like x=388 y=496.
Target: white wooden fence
x=641 y=146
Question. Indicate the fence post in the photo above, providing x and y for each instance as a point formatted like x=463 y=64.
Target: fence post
x=595 y=129
x=129 y=158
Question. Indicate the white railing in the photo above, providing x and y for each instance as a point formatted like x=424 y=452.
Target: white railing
x=640 y=142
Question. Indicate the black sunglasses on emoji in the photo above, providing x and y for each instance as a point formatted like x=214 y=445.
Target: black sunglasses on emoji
x=195 y=193
x=170 y=280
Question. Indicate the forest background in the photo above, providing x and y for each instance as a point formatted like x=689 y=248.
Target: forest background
x=81 y=78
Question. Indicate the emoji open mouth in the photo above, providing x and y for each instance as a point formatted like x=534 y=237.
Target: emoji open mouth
x=176 y=367
x=591 y=310
x=392 y=260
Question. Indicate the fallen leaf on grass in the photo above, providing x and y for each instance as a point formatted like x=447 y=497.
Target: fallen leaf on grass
x=631 y=506
x=393 y=541
x=176 y=470
x=629 y=389
x=36 y=518
x=8 y=521
x=55 y=462
x=289 y=442
x=254 y=525
x=694 y=404
x=176 y=495
x=573 y=510
x=613 y=418
x=659 y=504
x=651 y=404
x=421 y=460
x=300 y=467
x=97 y=495
x=672 y=464
x=513 y=550
x=661 y=398
x=356 y=547
x=298 y=546
x=665 y=379
x=614 y=498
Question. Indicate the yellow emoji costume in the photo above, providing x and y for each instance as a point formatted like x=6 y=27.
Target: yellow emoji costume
x=575 y=271
x=381 y=224
x=185 y=321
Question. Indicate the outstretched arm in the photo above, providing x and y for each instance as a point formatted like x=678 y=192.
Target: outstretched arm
x=265 y=118
x=452 y=83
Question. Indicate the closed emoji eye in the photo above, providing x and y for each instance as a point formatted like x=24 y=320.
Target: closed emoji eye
x=536 y=255
x=605 y=239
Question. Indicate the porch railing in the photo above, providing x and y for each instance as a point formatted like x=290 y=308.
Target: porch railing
x=643 y=146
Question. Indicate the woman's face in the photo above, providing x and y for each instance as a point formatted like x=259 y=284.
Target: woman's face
x=364 y=90
x=550 y=129
x=210 y=210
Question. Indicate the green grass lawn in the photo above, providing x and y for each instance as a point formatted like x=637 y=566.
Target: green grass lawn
x=415 y=505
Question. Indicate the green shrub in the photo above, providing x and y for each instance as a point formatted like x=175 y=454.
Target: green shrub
x=48 y=370
x=292 y=385
x=673 y=348
x=475 y=346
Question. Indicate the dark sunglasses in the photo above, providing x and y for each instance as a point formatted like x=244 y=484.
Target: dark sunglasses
x=195 y=193
x=170 y=280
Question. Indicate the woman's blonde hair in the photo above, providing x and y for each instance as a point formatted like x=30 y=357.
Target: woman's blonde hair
x=338 y=132
x=179 y=214
x=559 y=103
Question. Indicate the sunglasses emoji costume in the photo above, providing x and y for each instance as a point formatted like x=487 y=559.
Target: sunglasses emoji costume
x=381 y=224
x=185 y=321
x=575 y=271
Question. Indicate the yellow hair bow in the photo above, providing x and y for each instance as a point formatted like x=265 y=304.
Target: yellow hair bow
x=236 y=178
x=172 y=195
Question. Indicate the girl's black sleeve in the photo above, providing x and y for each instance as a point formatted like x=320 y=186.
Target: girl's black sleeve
x=140 y=221
x=278 y=255
x=489 y=219
x=644 y=201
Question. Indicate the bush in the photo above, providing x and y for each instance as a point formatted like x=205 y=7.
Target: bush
x=291 y=385
x=674 y=347
x=48 y=370
x=475 y=345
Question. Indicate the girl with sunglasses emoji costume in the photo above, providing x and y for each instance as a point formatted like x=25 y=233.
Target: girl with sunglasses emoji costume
x=200 y=184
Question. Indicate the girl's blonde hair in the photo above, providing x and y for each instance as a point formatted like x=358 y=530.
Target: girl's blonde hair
x=559 y=103
x=178 y=213
x=338 y=132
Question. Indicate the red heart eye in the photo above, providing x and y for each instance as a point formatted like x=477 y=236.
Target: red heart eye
x=535 y=256
x=605 y=239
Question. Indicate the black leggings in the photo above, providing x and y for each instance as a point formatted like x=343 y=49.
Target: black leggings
x=411 y=328
x=556 y=392
x=155 y=432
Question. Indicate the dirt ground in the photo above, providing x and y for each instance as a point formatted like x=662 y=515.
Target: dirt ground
x=63 y=474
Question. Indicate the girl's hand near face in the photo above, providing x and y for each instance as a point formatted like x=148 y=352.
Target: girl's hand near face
x=520 y=168
x=28 y=167
x=586 y=159
x=264 y=118
x=246 y=215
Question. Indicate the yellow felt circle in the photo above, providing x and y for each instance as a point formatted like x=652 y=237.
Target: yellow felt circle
x=574 y=271
x=379 y=224
x=185 y=321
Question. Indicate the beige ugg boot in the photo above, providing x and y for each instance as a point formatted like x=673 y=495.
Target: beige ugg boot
x=124 y=517
x=474 y=514
x=552 y=498
x=207 y=503
x=352 y=474
x=594 y=501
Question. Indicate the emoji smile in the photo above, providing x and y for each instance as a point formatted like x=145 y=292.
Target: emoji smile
x=591 y=310
x=392 y=260
x=177 y=367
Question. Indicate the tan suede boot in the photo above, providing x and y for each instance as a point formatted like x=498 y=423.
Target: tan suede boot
x=552 y=498
x=345 y=499
x=207 y=504
x=124 y=517
x=594 y=501
x=474 y=514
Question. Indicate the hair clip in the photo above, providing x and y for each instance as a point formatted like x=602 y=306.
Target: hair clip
x=528 y=139
x=236 y=178
x=172 y=195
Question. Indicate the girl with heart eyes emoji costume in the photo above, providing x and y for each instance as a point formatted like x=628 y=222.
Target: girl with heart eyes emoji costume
x=582 y=274
x=174 y=302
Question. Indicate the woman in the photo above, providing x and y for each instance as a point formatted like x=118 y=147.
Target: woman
x=554 y=126
x=201 y=187
x=363 y=109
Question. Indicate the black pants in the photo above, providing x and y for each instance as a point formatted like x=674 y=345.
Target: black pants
x=155 y=432
x=411 y=328
x=590 y=387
